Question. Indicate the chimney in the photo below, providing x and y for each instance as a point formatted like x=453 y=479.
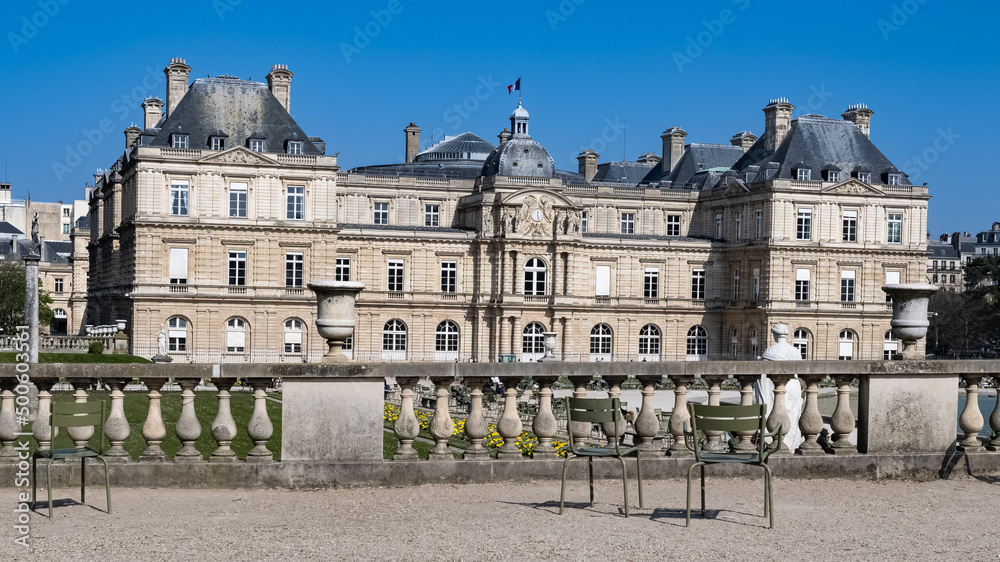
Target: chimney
x=152 y=108
x=996 y=226
x=279 y=81
x=860 y=115
x=588 y=164
x=648 y=158
x=673 y=147
x=777 y=120
x=744 y=140
x=412 y=141
x=504 y=135
x=132 y=135
x=177 y=73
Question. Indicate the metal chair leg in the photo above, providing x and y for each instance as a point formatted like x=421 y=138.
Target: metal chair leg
x=638 y=474
x=107 y=482
x=83 y=480
x=702 y=491
x=48 y=484
x=590 y=464
x=562 y=491
x=624 y=484
x=34 y=480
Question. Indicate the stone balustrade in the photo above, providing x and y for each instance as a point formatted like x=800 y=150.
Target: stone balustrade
x=332 y=416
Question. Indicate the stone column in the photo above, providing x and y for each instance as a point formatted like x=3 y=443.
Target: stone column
x=153 y=430
x=680 y=416
x=407 y=427
x=31 y=303
x=713 y=441
x=646 y=425
x=581 y=430
x=188 y=428
x=8 y=421
x=476 y=428
x=746 y=399
x=779 y=414
x=544 y=425
x=811 y=421
x=503 y=333
x=41 y=430
x=442 y=426
x=994 y=422
x=509 y=427
x=614 y=391
x=260 y=428
x=223 y=426
x=971 y=420
x=842 y=422
x=80 y=435
x=117 y=428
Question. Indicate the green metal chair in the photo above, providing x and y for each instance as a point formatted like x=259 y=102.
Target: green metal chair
x=730 y=419
x=597 y=411
x=66 y=415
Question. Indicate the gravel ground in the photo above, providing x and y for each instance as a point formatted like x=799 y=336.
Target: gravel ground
x=814 y=520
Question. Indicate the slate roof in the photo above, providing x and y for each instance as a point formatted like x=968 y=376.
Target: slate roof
x=457 y=169
x=941 y=250
x=466 y=146
x=56 y=251
x=238 y=108
x=696 y=157
x=622 y=171
x=7 y=228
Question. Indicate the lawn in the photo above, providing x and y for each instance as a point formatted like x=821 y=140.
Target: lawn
x=9 y=357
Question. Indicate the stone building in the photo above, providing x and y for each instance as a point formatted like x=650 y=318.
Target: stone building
x=221 y=209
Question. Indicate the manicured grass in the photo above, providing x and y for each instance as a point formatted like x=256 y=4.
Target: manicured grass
x=206 y=406
x=390 y=443
x=9 y=357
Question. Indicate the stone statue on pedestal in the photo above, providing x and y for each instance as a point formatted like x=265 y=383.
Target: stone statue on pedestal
x=36 y=242
x=764 y=388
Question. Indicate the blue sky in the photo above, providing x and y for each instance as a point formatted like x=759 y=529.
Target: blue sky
x=364 y=70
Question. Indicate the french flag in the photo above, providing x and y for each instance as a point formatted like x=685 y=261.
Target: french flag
x=515 y=86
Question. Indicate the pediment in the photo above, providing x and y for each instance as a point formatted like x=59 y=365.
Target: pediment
x=239 y=155
x=853 y=187
x=736 y=187
x=535 y=196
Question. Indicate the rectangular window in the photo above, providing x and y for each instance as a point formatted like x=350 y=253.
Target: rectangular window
x=583 y=222
x=832 y=176
x=736 y=284
x=179 y=141
x=179 y=198
x=865 y=177
x=381 y=213
x=847 y=286
x=755 y=290
x=738 y=223
x=237 y=268
x=804 y=174
x=432 y=215
x=758 y=224
x=295 y=147
x=449 y=277
x=395 y=276
x=698 y=284
x=803 y=224
x=894 y=179
x=178 y=266
x=602 y=275
x=895 y=230
x=952 y=265
x=673 y=225
x=891 y=278
x=850 y=226
x=293 y=269
x=58 y=285
x=651 y=283
x=628 y=223
x=65 y=227
x=295 y=203
x=718 y=226
x=257 y=145
x=934 y=264
x=343 y=270
x=218 y=143
x=801 y=284
x=238 y=200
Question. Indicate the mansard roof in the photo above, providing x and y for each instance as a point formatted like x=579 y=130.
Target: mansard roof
x=697 y=158
x=622 y=171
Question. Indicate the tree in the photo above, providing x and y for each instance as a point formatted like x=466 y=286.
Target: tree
x=968 y=321
x=12 y=299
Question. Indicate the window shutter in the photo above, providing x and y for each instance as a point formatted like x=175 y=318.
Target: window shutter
x=178 y=263
x=603 y=276
x=801 y=274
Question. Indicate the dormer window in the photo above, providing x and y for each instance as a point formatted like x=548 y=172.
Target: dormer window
x=218 y=143
x=294 y=147
x=865 y=177
x=178 y=141
x=832 y=175
x=257 y=145
x=803 y=174
x=894 y=179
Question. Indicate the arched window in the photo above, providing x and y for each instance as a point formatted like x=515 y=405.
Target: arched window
x=532 y=342
x=177 y=334
x=600 y=343
x=293 y=336
x=649 y=343
x=697 y=344
x=890 y=345
x=394 y=340
x=534 y=277
x=446 y=341
x=236 y=335
x=59 y=313
x=846 y=347
x=734 y=342
x=800 y=340
x=754 y=348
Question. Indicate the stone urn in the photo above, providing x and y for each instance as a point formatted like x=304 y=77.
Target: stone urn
x=335 y=314
x=549 y=342
x=909 y=314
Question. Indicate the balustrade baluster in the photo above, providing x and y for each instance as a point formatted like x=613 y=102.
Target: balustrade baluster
x=80 y=435
x=842 y=423
x=614 y=391
x=442 y=426
x=680 y=416
x=995 y=420
x=779 y=413
x=223 y=426
x=811 y=421
x=745 y=442
x=260 y=428
x=188 y=428
x=8 y=420
x=544 y=424
x=476 y=428
x=713 y=441
x=116 y=428
x=42 y=430
x=407 y=427
x=153 y=429
x=581 y=430
x=971 y=420
x=510 y=427
x=646 y=425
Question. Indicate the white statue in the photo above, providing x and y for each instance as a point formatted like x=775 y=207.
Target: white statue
x=161 y=341
x=764 y=388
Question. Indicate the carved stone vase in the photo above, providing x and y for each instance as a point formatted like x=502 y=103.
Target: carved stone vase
x=909 y=314
x=335 y=314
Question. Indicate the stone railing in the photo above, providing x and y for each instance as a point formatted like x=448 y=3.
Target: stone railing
x=332 y=418
x=56 y=344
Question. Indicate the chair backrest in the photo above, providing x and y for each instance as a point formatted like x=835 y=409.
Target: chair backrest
x=82 y=414
x=593 y=410
x=732 y=419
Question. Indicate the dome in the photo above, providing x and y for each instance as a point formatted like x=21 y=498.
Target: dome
x=519 y=113
x=520 y=156
x=466 y=146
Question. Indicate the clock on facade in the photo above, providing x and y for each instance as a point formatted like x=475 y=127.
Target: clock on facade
x=536 y=215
